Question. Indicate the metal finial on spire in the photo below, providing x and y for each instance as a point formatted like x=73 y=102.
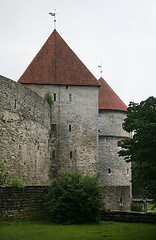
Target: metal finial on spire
x=100 y=66
x=53 y=14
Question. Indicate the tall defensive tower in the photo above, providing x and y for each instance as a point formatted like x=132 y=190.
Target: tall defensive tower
x=115 y=172
x=56 y=69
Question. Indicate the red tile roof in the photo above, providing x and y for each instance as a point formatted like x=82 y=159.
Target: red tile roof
x=57 y=64
x=108 y=99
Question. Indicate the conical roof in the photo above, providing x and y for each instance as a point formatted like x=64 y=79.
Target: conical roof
x=108 y=99
x=57 y=64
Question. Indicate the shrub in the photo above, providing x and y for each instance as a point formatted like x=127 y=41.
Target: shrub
x=3 y=174
x=16 y=182
x=48 y=98
x=75 y=198
x=136 y=207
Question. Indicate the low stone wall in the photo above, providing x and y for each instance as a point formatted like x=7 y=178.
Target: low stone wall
x=129 y=217
x=27 y=203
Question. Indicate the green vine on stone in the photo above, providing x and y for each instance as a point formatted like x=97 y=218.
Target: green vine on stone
x=3 y=174
x=5 y=180
x=48 y=98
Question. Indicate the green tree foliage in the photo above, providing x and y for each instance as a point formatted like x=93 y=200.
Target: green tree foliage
x=136 y=207
x=75 y=198
x=141 y=148
x=48 y=98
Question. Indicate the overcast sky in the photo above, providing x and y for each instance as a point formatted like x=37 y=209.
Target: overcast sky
x=120 y=33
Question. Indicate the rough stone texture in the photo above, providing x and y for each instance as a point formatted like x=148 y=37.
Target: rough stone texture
x=82 y=114
x=114 y=195
x=111 y=123
x=27 y=203
x=24 y=132
x=36 y=140
x=114 y=170
x=129 y=217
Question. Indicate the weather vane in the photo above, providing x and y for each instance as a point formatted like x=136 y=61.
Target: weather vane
x=100 y=66
x=53 y=14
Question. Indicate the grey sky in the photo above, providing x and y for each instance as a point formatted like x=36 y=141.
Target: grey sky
x=121 y=33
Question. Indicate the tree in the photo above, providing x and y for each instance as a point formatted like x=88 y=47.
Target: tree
x=141 y=148
x=75 y=198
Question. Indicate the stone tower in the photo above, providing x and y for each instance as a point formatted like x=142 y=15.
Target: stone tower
x=56 y=69
x=115 y=172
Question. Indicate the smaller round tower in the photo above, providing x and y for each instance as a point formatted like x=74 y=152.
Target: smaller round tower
x=115 y=172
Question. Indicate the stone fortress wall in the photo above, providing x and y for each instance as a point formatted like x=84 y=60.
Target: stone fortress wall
x=37 y=140
x=74 y=138
x=24 y=132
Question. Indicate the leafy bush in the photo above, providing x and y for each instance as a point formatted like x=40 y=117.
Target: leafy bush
x=136 y=207
x=75 y=198
x=3 y=174
x=48 y=98
x=16 y=182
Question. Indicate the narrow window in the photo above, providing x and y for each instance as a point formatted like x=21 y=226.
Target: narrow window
x=53 y=154
x=66 y=87
x=54 y=97
x=121 y=202
x=127 y=172
x=15 y=104
x=70 y=97
x=69 y=127
x=109 y=170
x=71 y=154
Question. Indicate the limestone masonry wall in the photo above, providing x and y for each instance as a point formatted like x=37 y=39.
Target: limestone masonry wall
x=24 y=132
x=113 y=196
x=75 y=117
x=27 y=203
x=114 y=170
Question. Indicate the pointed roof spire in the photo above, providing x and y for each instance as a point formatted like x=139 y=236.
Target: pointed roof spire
x=57 y=64
x=108 y=99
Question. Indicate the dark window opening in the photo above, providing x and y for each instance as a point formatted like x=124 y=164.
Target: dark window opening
x=69 y=127
x=66 y=87
x=54 y=97
x=53 y=154
x=127 y=171
x=70 y=97
x=15 y=104
x=121 y=202
x=109 y=170
x=71 y=154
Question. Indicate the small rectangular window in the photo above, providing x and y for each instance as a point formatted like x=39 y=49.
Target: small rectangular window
x=121 y=202
x=53 y=154
x=69 y=127
x=71 y=154
x=109 y=170
x=127 y=172
x=15 y=104
x=70 y=97
x=54 y=97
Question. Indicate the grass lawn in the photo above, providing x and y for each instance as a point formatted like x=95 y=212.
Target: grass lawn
x=50 y=231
